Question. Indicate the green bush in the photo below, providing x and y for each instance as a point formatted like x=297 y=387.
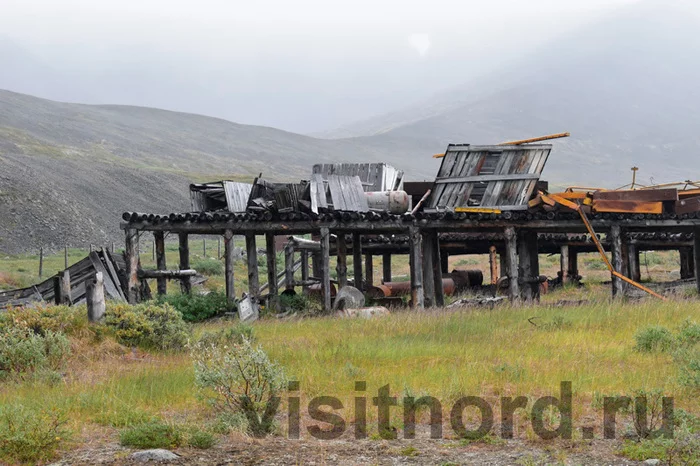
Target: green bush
x=147 y=325
x=201 y=440
x=198 y=307
x=653 y=339
x=228 y=336
x=299 y=303
x=239 y=378
x=22 y=351
x=28 y=436
x=688 y=361
x=42 y=318
x=208 y=266
x=154 y=434
x=689 y=334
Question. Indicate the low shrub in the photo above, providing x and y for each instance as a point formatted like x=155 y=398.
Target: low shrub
x=688 y=361
x=70 y=320
x=154 y=434
x=201 y=439
x=30 y=436
x=234 y=335
x=208 y=266
x=299 y=303
x=147 y=325
x=199 y=307
x=239 y=378
x=22 y=351
x=689 y=334
x=652 y=339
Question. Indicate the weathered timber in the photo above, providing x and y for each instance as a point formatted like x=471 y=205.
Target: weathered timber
x=416 y=262
x=511 y=241
x=687 y=263
x=635 y=272
x=252 y=259
x=437 y=272
x=618 y=289
x=229 y=258
x=271 y=256
x=304 y=257
x=95 y=298
x=357 y=260
x=341 y=267
x=687 y=206
x=696 y=257
x=184 y=250
x=159 y=240
x=288 y=267
x=369 y=270
x=493 y=266
x=564 y=264
x=386 y=267
x=428 y=277
x=166 y=274
x=644 y=195
x=528 y=266
x=325 y=268
x=131 y=255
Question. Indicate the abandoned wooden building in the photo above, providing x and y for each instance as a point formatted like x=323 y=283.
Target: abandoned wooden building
x=484 y=200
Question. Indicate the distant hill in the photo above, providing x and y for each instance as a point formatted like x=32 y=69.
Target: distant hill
x=67 y=171
x=625 y=87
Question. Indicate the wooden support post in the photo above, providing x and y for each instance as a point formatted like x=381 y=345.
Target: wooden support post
x=252 y=258
x=304 y=269
x=416 y=264
x=687 y=263
x=159 y=246
x=438 y=268
x=696 y=256
x=131 y=253
x=95 y=298
x=445 y=261
x=41 y=262
x=625 y=255
x=288 y=267
x=228 y=265
x=341 y=265
x=617 y=263
x=271 y=256
x=65 y=256
x=386 y=267
x=66 y=297
x=633 y=261
x=316 y=259
x=357 y=260
x=512 y=263
x=493 y=265
x=185 y=282
x=326 y=268
x=369 y=270
x=428 y=275
x=529 y=266
x=564 y=264
x=572 y=268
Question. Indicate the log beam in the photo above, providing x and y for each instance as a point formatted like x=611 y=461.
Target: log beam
x=131 y=252
x=416 y=264
x=618 y=289
x=271 y=256
x=511 y=241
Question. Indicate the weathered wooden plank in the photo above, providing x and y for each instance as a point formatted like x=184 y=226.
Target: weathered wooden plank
x=416 y=264
x=288 y=266
x=386 y=267
x=645 y=195
x=325 y=269
x=237 y=195
x=184 y=250
x=131 y=255
x=528 y=266
x=229 y=259
x=633 y=262
x=252 y=261
x=437 y=272
x=95 y=298
x=512 y=263
x=427 y=264
x=564 y=264
x=109 y=286
x=271 y=256
x=616 y=248
x=159 y=237
x=304 y=269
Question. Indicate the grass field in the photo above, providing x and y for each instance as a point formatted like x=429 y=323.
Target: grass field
x=504 y=351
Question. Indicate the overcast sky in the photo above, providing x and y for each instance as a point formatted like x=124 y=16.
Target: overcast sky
x=303 y=65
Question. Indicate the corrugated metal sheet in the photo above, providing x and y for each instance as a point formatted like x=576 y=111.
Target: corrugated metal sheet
x=499 y=177
x=374 y=176
x=237 y=195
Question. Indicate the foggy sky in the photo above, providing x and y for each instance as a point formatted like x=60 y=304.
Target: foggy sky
x=304 y=66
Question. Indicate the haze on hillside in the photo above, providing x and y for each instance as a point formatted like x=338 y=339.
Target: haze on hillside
x=304 y=66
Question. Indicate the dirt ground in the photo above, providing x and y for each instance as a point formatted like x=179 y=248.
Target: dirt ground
x=281 y=451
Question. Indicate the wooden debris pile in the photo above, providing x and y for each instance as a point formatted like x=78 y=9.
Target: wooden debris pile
x=665 y=201
x=70 y=286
